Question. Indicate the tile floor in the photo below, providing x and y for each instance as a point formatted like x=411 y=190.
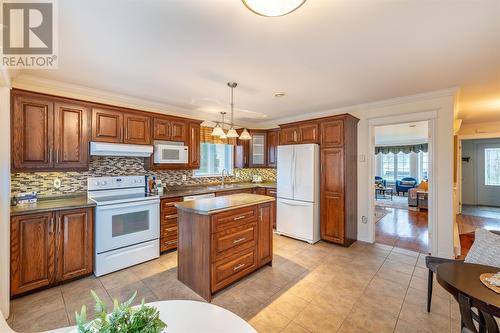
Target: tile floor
x=309 y=288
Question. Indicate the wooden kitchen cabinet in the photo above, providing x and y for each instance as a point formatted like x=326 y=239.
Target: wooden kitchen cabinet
x=265 y=243
x=309 y=133
x=241 y=153
x=74 y=242
x=258 y=149
x=194 y=144
x=259 y=190
x=48 y=134
x=137 y=129
x=273 y=140
x=32 y=252
x=332 y=133
x=107 y=125
x=168 y=129
x=49 y=248
x=229 y=192
x=168 y=223
x=289 y=135
x=272 y=193
x=71 y=136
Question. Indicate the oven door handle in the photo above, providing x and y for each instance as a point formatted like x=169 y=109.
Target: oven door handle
x=145 y=204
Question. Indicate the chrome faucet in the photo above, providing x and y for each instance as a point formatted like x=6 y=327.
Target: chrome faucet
x=223 y=171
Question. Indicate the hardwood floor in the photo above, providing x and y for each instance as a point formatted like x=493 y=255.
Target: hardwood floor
x=405 y=229
x=467 y=224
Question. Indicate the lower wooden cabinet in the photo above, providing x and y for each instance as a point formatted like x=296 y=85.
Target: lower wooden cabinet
x=168 y=223
x=272 y=193
x=48 y=248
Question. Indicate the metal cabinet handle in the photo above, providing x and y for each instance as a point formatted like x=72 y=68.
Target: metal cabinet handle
x=50 y=155
x=235 y=268
x=171 y=217
x=51 y=226
x=59 y=222
x=239 y=217
x=236 y=241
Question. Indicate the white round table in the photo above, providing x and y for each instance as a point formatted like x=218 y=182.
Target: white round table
x=193 y=316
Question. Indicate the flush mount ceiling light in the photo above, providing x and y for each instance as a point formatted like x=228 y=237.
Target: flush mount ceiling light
x=279 y=94
x=273 y=8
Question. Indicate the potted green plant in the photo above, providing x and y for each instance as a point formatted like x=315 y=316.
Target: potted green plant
x=123 y=319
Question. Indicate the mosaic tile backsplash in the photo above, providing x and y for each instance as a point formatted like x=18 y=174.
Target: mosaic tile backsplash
x=75 y=182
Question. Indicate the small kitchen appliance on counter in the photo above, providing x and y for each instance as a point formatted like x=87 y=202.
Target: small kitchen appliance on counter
x=127 y=222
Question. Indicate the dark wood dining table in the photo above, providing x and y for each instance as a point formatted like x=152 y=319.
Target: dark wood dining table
x=462 y=281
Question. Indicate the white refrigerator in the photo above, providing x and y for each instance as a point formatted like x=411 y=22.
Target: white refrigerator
x=298 y=192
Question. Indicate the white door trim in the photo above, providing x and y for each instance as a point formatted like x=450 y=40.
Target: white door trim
x=424 y=115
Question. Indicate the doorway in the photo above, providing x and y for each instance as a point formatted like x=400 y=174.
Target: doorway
x=401 y=169
x=480 y=188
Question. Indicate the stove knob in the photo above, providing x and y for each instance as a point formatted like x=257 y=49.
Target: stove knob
x=104 y=182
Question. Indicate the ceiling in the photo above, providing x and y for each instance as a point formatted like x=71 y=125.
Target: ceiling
x=401 y=134
x=328 y=54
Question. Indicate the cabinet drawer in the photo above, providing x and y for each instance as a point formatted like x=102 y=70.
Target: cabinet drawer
x=233 y=218
x=168 y=231
x=168 y=219
x=228 y=271
x=271 y=192
x=167 y=206
x=167 y=244
x=233 y=240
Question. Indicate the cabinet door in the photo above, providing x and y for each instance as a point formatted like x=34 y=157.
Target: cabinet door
x=258 y=150
x=32 y=133
x=308 y=133
x=71 y=139
x=194 y=145
x=32 y=245
x=107 y=125
x=272 y=193
x=272 y=148
x=137 y=129
x=265 y=244
x=289 y=135
x=161 y=129
x=332 y=170
x=241 y=151
x=74 y=234
x=178 y=130
x=332 y=133
x=332 y=217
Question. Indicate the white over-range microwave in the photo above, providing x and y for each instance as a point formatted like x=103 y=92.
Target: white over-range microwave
x=170 y=154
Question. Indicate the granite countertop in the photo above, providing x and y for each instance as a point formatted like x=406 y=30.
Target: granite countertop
x=204 y=189
x=215 y=205
x=53 y=204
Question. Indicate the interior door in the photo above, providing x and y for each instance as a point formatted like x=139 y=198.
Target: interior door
x=285 y=172
x=306 y=170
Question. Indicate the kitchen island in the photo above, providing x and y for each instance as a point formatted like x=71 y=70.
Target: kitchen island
x=223 y=239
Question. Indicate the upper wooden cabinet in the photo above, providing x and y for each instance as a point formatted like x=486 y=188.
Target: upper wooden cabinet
x=258 y=149
x=194 y=144
x=71 y=135
x=332 y=133
x=272 y=147
x=48 y=134
x=137 y=129
x=289 y=135
x=309 y=133
x=51 y=247
x=107 y=125
x=169 y=129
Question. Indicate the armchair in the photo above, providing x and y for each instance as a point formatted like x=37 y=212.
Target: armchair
x=381 y=180
x=405 y=184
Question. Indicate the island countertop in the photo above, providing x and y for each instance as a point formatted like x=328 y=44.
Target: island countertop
x=215 y=205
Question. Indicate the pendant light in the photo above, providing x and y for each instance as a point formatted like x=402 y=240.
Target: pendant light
x=245 y=135
x=232 y=132
x=223 y=135
x=273 y=8
x=217 y=131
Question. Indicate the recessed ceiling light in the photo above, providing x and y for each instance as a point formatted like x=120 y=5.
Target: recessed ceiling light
x=413 y=125
x=279 y=94
x=273 y=7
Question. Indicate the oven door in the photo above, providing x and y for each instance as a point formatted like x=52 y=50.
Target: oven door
x=121 y=225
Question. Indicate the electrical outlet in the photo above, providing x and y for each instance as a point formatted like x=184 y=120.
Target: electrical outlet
x=184 y=177
x=237 y=174
x=57 y=183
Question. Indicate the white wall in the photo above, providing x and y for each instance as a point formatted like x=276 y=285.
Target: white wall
x=474 y=190
x=4 y=200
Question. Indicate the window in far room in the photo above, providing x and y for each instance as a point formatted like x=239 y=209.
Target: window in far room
x=403 y=165
x=388 y=166
x=424 y=165
x=214 y=158
x=492 y=166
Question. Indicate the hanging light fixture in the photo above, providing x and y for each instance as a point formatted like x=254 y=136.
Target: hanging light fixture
x=217 y=131
x=245 y=135
x=232 y=132
x=273 y=8
x=223 y=135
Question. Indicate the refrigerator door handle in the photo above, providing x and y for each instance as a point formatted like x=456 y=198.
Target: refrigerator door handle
x=295 y=203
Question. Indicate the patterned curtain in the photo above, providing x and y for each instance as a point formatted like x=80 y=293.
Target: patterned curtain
x=206 y=136
x=424 y=147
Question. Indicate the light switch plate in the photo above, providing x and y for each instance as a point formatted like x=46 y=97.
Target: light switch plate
x=184 y=177
x=362 y=158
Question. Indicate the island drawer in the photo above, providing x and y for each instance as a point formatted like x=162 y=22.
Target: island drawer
x=233 y=218
x=229 y=241
x=227 y=271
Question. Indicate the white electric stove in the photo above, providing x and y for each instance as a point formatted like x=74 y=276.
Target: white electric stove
x=127 y=222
